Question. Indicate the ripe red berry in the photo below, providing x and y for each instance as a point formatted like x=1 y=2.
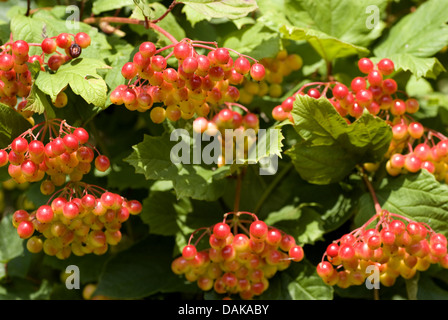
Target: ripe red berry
x=365 y=65
x=333 y=250
x=129 y=70
x=6 y=62
x=82 y=39
x=25 y=229
x=257 y=72
x=386 y=66
x=19 y=145
x=258 y=229
x=147 y=49
x=181 y=50
x=102 y=163
x=48 y=45
x=189 y=252
x=296 y=253
x=221 y=230
x=242 y=65
x=20 y=48
x=340 y=91
x=63 y=40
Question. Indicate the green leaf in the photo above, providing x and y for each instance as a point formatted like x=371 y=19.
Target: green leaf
x=256 y=41
x=417 y=36
x=418 y=66
x=330 y=148
x=82 y=77
x=152 y=157
x=422 y=33
x=146 y=10
x=231 y=9
x=101 y=6
x=335 y=29
x=38 y=103
x=48 y=23
x=299 y=282
x=11 y=245
x=140 y=271
x=302 y=222
x=165 y=224
x=12 y=124
x=168 y=23
x=419 y=197
x=328 y=47
x=21 y=289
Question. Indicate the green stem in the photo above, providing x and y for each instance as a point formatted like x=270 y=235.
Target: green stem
x=271 y=187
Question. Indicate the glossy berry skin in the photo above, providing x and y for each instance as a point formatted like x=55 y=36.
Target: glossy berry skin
x=189 y=252
x=25 y=229
x=257 y=72
x=365 y=65
x=296 y=253
x=258 y=229
x=386 y=66
x=63 y=40
x=221 y=230
x=102 y=163
x=82 y=39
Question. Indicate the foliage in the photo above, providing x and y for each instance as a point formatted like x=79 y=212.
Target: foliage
x=318 y=191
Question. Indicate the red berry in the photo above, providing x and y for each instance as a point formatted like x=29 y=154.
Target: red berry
x=25 y=229
x=257 y=71
x=333 y=250
x=296 y=253
x=19 y=145
x=129 y=70
x=82 y=135
x=386 y=66
x=340 y=91
x=20 y=48
x=258 y=229
x=102 y=163
x=189 y=252
x=44 y=214
x=242 y=65
x=221 y=230
x=82 y=39
x=147 y=49
x=63 y=40
x=181 y=50
x=365 y=65
x=48 y=46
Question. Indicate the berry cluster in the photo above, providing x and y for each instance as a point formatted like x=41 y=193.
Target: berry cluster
x=397 y=246
x=374 y=92
x=277 y=68
x=82 y=219
x=227 y=119
x=414 y=147
x=15 y=76
x=199 y=82
x=68 y=154
x=238 y=262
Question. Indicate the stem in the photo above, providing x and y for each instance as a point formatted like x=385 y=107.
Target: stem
x=236 y=203
x=369 y=186
x=92 y=20
x=28 y=7
x=170 y=8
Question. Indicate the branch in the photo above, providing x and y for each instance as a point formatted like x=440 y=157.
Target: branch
x=94 y=20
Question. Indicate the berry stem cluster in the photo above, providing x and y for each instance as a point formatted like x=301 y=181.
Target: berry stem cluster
x=244 y=253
